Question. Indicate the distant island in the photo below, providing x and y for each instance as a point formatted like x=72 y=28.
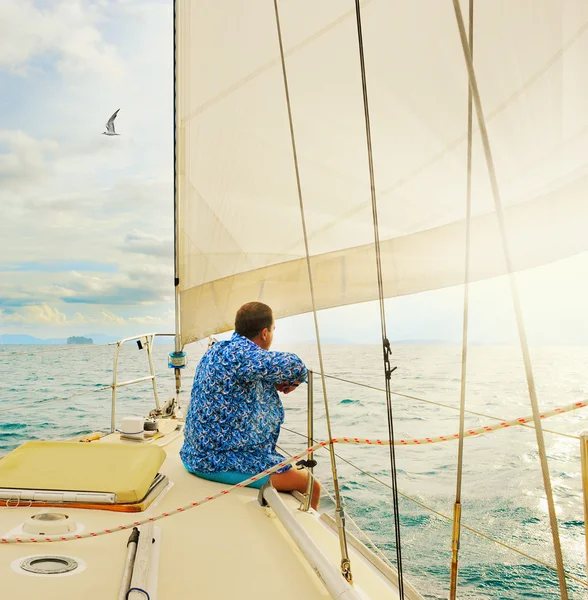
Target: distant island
x=79 y=340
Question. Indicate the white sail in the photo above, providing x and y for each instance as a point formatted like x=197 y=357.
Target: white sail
x=240 y=235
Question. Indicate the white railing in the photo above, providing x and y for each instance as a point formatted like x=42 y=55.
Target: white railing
x=145 y=341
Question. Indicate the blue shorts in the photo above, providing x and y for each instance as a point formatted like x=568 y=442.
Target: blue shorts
x=232 y=478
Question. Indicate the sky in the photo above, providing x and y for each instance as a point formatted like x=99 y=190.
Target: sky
x=87 y=230
x=86 y=234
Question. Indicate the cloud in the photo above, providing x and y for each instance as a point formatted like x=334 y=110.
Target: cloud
x=166 y=319
x=65 y=32
x=44 y=314
x=151 y=245
x=26 y=160
x=50 y=318
x=66 y=168
x=41 y=314
x=139 y=288
x=145 y=284
x=112 y=319
x=53 y=266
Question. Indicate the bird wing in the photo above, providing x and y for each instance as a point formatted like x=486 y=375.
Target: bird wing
x=110 y=123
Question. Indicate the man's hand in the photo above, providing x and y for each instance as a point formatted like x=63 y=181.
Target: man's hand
x=286 y=387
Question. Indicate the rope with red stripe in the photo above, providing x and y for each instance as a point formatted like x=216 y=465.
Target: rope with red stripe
x=468 y=432
x=224 y=492
x=289 y=461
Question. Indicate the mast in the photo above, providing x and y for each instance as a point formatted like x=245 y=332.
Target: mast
x=177 y=359
x=178 y=342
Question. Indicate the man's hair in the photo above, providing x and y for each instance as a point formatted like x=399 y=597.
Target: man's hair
x=252 y=318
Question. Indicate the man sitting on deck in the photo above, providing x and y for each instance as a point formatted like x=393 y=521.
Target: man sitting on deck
x=235 y=413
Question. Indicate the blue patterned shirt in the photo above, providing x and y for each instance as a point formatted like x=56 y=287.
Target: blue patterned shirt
x=235 y=413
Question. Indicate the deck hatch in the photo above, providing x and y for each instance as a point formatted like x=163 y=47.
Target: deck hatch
x=99 y=473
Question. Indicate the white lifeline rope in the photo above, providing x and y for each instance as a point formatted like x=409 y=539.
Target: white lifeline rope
x=224 y=492
x=468 y=432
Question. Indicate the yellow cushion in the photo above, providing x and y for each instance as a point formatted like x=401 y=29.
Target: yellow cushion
x=126 y=470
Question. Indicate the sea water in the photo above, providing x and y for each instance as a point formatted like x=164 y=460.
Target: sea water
x=59 y=391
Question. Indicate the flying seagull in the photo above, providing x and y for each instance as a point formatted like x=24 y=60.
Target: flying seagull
x=110 y=125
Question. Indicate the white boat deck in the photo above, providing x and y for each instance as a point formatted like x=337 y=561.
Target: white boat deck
x=226 y=549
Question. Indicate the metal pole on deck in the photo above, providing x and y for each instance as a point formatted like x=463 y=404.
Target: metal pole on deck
x=310 y=442
x=114 y=371
x=129 y=564
x=149 y=340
